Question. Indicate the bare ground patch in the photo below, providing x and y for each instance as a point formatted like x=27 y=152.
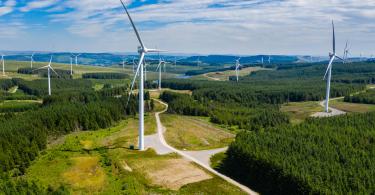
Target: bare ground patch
x=172 y=173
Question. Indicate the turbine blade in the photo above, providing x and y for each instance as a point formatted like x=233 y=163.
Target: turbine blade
x=40 y=68
x=54 y=71
x=155 y=50
x=135 y=76
x=328 y=67
x=135 y=28
x=334 y=38
x=157 y=68
x=338 y=57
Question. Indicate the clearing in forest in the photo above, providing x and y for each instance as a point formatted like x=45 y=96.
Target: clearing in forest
x=194 y=133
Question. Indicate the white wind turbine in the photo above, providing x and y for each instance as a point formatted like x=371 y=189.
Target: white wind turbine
x=3 y=62
x=346 y=53
x=142 y=50
x=123 y=64
x=238 y=65
x=145 y=66
x=76 y=58
x=269 y=59
x=328 y=73
x=134 y=65
x=71 y=65
x=49 y=68
x=160 y=65
x=32 y=60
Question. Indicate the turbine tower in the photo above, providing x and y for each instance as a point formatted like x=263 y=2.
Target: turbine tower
x=160 y=65
x=237 y=67
x=328 y=74
x=49 y=68
x=142 y=50
x=269 y=59
x=32 y=60
x=3 y=62
x=71 y=65
x=134 y=65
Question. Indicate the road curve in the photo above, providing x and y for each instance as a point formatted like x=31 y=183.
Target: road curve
x=334 y=111
x=161 y=130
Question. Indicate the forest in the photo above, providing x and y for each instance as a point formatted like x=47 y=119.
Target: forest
x=244 y=116
x=105 y=75
x=321 y=156
x=367 y=97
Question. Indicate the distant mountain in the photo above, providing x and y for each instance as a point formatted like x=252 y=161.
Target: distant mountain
x=226 y=59
x=109 y=59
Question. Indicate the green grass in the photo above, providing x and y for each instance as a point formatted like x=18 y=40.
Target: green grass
x=224 y=76
x=299 y=111
x=94 y=163
x=352 y=107
x=193 y=133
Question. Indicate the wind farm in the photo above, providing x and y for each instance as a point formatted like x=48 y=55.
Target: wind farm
x=235 y=104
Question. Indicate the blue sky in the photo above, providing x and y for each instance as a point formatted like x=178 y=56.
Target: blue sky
x=245 y=27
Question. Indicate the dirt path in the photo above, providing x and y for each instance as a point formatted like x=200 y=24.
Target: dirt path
x=334 y=111
x=199 y=157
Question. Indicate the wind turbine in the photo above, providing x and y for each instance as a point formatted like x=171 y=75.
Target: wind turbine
x=237 y=67
x=134 y=65
x=71 y=65
x=123 y=64
x=346 y=53
x=142 y=50
x=269 y=59
x=3 y=62
x=328 y=73
x=49 y=68
x=262 y=60
x=76 y=58
x=161 y=62
x=199 y=61
x=32 y=60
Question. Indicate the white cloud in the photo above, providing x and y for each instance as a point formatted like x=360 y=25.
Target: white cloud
x=7 y=7
x=38 y=4
x=218 y=26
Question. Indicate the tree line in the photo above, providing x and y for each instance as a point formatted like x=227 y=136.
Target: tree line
x=105 y=75
x=365 y=98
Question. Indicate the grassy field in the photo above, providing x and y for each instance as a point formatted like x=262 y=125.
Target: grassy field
x=101 y=162
x=352 y=107
x=194 y=133
x=11 y=68
x=224 y=76
x=156 y=93
x=299 y=111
